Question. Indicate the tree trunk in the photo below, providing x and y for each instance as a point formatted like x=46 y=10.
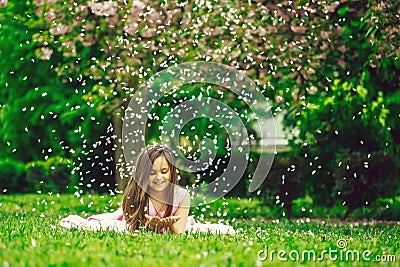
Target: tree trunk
x=289 y=209
x=121 y=175
x=346 y=214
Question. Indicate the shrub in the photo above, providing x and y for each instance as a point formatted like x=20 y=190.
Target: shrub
x=53 y=175
x=388 y=208
x=362 y=179
x=285 y=181
x=12 y=176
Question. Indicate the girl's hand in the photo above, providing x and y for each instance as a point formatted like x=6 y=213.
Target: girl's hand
x=169 y=221
x=154 y=223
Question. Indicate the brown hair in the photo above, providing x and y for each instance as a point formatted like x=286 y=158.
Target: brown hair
x=135 y=200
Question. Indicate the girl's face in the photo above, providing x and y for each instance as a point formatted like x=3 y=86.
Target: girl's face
x=160 y=175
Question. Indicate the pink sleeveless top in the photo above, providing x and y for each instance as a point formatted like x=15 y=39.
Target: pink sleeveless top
x=179 y=195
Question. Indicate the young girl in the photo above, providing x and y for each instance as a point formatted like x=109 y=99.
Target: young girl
x=152 y=200
x=154 y=191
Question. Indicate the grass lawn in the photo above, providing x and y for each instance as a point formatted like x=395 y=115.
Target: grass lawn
x=30 y=236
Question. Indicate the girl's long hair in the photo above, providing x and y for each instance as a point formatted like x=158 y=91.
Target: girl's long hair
x=135 y=200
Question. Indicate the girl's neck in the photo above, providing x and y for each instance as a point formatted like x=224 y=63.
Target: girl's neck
x=158 y=196
x=158 y=200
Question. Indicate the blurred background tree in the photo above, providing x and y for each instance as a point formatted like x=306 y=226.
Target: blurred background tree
x=331 y=68
x=42 y=117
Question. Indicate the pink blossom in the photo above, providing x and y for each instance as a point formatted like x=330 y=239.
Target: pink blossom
x=137 y=8
x=342 y=49
x=60 y=29
x=46 y=53
x=149 y=33
x=81 y=8
x=341 y=62
x=50 y=15
x=89 y=40
x=41 y=2
x=131 y=28
x=3 y=3
x=138 y=4
x=39 y=11
x=154 y=17
x=299 y=29
x=279 y=99
x=312 y=90
x=106 y=8
x=172 y=13
x=236 y=53
x=113 y=21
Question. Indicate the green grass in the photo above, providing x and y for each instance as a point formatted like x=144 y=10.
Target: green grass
x=30 y=236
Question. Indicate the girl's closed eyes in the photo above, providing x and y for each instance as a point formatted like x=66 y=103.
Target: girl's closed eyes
x=163 y=172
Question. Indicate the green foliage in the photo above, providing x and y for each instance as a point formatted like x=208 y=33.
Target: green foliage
x=304 y=207
x=362 y=179
x=131 y=44
x=381 y=209
x=285 y=181
x=387 y=208
x=51 y=176
x=12 y=176
x=345 y=122
x=348 y=109
x=42 y=116
x=331 y=67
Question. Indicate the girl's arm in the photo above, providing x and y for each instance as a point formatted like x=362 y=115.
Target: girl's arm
x=183 y=212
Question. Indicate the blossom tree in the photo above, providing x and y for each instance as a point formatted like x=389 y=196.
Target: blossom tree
x=305 y=57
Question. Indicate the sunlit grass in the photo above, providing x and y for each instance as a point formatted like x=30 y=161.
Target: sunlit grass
x=30 y=236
